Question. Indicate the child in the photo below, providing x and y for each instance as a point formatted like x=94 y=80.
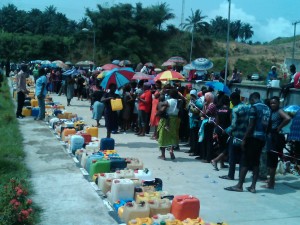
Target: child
x=162 y=111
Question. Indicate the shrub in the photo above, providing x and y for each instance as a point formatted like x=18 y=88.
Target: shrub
x=16 y=207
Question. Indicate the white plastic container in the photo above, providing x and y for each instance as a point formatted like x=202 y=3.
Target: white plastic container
x=52 y=121
x=105 y=180
x=134 y=210
x=124 y=174
x=275 y=83
x=144 y=174
x=76 y=142
x=69 y=124
x=121 y=189
x=92 y=147
x=134 y=163
x=159 y=206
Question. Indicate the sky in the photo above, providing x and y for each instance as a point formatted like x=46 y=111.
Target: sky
x=269 y=18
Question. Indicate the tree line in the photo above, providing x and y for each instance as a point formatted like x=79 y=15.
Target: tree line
x=123 y=31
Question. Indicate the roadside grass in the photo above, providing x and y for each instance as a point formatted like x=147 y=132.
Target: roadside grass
x=12 y=165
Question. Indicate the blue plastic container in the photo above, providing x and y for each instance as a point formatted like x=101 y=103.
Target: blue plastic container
x=35 y=111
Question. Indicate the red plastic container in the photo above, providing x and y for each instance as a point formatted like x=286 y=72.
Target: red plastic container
x=87 y=138
x=185 y=206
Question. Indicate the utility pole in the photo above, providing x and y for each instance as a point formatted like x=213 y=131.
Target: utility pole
x=182 y=11
x=227 y=43
x=294 y=24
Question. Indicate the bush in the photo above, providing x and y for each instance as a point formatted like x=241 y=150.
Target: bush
x=16 y=207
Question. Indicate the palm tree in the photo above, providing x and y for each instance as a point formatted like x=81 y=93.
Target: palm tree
x=162 y=13
x=194 y=23
x=246 y=32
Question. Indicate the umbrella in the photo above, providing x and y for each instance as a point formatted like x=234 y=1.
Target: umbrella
x=168 y=63
x=219 y=86
x=102 y=74
x=177 y=60
x=125 y=62
x=118 y=76
x=71 y=72
x=291 y=109
x=60 y=64
x=202 y=64
x=109 y=66
x=169 y=75
x=84 y=63
x=68 y=63
x=142 y=76
x=116 y=62
x=149 y=64
x=45 y=62
x=188 y=67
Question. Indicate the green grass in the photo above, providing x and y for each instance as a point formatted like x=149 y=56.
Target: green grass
x=12 y=155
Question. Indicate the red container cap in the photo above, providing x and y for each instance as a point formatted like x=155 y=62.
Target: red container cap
x=94 y=160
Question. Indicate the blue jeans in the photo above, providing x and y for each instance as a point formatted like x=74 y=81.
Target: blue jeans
x=41 y=102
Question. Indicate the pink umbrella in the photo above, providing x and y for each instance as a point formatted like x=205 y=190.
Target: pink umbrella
x=109 y=66
x=142 y=76
x=168 y=63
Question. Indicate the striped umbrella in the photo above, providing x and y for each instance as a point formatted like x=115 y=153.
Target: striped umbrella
x=118 y=76
x=169 y=75
x=177 y=60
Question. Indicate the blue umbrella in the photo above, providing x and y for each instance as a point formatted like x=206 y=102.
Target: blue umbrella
x=202 y=64
x=118 y=76
x=71 y=72
x=291 y=109
x=216 y=85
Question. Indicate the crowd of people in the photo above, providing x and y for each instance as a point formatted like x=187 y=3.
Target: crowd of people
x=216 y=127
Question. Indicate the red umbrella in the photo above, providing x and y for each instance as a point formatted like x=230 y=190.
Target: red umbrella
x=109 y=66
x=169 y=75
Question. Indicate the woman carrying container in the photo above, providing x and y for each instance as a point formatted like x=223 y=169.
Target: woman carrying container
x=168 y=138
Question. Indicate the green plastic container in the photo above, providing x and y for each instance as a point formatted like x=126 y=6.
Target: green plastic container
x=99 y=166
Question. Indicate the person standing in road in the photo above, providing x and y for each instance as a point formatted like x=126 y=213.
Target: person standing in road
x=70 y=82
x=253 y=142
x=237 y=130
x=41 y=92
x=21 y=89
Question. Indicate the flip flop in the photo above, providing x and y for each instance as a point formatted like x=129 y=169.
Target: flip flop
x=250 y=189
x=267 y=186
x=225 y=177
x=233 y=188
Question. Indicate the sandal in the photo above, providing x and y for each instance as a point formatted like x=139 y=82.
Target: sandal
x=214 y=164
x=162 y=157
x=233 y=188
x=172 y=155
x=226 y=177
x=250 y=189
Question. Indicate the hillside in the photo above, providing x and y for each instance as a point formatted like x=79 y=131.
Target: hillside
x=257 y=58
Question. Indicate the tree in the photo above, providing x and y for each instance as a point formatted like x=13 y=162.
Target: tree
x=235 y=27
x=194 y=23
x=246 y=32
x=161 y=14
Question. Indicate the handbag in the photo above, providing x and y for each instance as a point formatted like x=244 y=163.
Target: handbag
x=116 y=104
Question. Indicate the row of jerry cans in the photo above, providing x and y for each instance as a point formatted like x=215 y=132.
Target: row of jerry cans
x=181 y=208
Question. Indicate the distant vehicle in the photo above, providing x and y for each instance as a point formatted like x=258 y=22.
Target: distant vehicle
x=255 y=76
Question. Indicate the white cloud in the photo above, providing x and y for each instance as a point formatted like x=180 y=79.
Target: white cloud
x=263 y=30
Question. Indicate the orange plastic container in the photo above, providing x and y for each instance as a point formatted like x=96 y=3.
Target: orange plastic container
x=185 y=206
x=34 y=103
x=93 y=131
x=140 y=221
x=67 y=132
x=197 y=221
x=26 y=111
